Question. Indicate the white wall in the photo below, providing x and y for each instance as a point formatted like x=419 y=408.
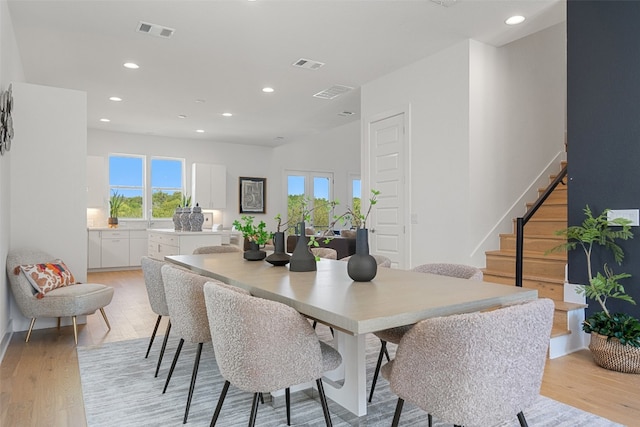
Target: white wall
x=10 y=71
x=48 y=194
x=484 y=125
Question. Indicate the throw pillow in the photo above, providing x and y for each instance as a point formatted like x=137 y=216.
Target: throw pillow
x=48 y=276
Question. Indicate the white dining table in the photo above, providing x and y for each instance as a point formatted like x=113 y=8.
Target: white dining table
x=353 y=309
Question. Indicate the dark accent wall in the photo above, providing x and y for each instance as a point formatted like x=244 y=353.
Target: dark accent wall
x=603 y=125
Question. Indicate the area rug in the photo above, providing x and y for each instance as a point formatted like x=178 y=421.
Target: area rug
x=119 y=389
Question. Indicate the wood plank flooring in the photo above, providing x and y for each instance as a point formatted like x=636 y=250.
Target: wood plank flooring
x=40 y=382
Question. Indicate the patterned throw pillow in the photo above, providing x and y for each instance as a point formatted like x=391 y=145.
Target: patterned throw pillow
x=48 y=276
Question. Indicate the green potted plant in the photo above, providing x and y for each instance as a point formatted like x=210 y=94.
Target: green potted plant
x=257 y=235
x=615 y=337
x=115 y=203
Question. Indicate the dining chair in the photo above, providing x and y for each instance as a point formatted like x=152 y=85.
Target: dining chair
x=151 y=271
x=326 y=253
x=216 y=249
x=185 y=300
x=381 y=260
x=262 y=346
x=477 y=369
x=394 y=335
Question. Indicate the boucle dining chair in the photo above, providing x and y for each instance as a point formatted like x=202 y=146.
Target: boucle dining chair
x=68 y=300
x=262 y=346
x=185 y=300
x=326 y=253
x=151 y=271
x=216 y=249
x=474 y=369
x=381 y=260
x=394 y=335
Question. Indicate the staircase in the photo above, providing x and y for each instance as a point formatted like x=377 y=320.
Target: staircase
x=546 y=273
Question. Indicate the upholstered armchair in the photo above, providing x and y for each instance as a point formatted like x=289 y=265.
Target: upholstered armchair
x=68 y=300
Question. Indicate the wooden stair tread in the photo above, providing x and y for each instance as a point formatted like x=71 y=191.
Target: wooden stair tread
x=558 y=332
x=551 y=280
x=536 y=236
x=569 y=306
x=554 y=256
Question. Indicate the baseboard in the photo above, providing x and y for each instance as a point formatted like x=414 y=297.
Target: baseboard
x=6 y=339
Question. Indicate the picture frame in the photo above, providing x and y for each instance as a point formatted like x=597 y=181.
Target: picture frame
x=252 y=195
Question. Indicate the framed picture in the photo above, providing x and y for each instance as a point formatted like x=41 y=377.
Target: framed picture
x=253 y=195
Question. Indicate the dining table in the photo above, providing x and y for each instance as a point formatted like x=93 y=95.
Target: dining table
x=353 y=309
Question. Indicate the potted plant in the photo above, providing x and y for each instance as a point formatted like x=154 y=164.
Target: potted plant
x=615 y=337
x=115 y=203
x=257 y=235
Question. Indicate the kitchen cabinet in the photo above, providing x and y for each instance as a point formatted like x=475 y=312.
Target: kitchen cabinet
x=115 y=249
x=164 y=242
x=94 y=253
x=137 y=246
x=209 y=185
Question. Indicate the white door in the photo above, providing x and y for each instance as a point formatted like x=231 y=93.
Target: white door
x=387 y=169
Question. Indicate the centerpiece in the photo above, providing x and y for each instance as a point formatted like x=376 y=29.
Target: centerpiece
x=257 y=235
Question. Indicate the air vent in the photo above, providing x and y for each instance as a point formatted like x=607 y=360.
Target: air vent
x=308 y=64
x=333 y=92
x=155 y=30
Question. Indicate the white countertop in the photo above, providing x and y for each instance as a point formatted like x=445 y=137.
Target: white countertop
x=172 y=231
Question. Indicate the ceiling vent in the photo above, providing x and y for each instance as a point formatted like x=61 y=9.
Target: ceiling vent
x=333 y=92
x=155 y=30
x=308 y=64
x=444 y=3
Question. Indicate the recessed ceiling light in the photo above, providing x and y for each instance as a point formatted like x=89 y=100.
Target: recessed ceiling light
x=131 y=65
x=227 y=114
x=267 y=89
x=515 y=20
x=182 y=116
x=115 y=98
x=200 y=101
x=200 y=130
x=105 y=120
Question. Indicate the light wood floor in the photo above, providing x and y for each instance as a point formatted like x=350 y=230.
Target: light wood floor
x=40 y=383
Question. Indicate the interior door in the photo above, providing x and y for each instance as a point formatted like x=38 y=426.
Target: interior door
x=387 y=166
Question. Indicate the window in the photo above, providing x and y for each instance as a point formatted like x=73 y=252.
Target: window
x=126 y=177
x=167 y=182
x=356 y=194
x=314 y=187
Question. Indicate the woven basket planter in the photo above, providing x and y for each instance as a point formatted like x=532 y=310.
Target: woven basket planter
x=612 y=355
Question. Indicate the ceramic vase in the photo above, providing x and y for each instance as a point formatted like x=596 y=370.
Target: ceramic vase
x=302 y=259
x=184 y=219
x=254 y=253
x=177 y=225
x=362 y=267
x=196 y=219
x=279 y=257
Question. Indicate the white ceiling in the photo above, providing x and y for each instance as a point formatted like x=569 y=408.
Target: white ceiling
x=225 y=51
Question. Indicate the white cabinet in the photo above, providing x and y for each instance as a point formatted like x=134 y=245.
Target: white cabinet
x=94 y=259
x=169 y=242
x=115 y=249
x=209 y=185
x=96 y=182
x=137 y=246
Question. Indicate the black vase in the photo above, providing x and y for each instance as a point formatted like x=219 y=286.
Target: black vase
x=254 y=253
x=362 y=267
x=279 y=257
x=302 y=259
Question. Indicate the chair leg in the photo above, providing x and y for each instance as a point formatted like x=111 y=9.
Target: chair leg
x=153 y=335
x=75 y=329
x=173 y=364
x=396 y=415
x=33 y=322
x=58 y=323
x=377 y=371
x=104 y=316
x=194 y=375
x=287 y=398
x=430 y=420
x=254 y=410
x=164 y=346
x=323 y=401
x=216 y=414
x=523 y=421
x=386 y=354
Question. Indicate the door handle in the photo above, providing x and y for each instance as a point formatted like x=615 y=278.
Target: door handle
x=373 y=230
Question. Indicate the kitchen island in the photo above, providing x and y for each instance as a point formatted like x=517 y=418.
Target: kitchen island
x=167 y=241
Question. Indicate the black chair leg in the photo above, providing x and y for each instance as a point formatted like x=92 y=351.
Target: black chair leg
x=254 y=410
x=216 y=414
x=287 y=398
x=173 y=365
x=523 y=421
x=377 y=371
x=430 y=420
x=386 y=354
x=323 y=401
x=164 y=346
x=194 y=375
x=153 y=335
x=396 y=415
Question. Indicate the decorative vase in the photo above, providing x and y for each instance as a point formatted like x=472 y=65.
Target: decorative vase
x=279 y=257
x=254 y=253
x=113 y=222
x=362 y=267
x=184 y=219
x=177 y=225
x=302 y=259
x=196 y=219
x=610 y=354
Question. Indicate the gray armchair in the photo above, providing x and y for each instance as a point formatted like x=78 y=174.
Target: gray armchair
x=69 y=301
x=476 y=369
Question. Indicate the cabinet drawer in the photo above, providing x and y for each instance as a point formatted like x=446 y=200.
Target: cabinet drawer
x=164 y=239
x=115 y=234
x=137 y=234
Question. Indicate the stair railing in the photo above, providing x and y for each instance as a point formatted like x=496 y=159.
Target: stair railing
x=522 y=221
